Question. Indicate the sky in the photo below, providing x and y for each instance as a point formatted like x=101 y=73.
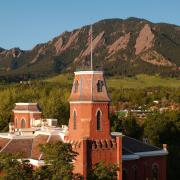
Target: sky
x=25 y=23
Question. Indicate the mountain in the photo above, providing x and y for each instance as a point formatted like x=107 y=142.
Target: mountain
x=121 y=47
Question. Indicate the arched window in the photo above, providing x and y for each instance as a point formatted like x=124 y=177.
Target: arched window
x=98 y=116
x=16 y=122
x=74 y=119
x=135 y=172
x=145 y=171
x=154 y=172
x=76 y=84
x=23 y=123
x=100 y=84
x=124 y=175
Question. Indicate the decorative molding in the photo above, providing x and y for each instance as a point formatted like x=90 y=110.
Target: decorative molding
x=26 y=111
x=88 y=72
x=152 y=153
x=89 y=102
x=23 y=104
x=138 y=155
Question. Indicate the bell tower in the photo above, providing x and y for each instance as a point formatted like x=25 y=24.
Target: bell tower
x=89 y=107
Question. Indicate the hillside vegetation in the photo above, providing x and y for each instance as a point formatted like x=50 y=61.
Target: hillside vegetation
x=118 y=82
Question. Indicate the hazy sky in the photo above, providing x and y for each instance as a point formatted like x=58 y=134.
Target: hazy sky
x=24 y=23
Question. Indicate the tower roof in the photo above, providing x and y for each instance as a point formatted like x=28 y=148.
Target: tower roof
x=89 y=86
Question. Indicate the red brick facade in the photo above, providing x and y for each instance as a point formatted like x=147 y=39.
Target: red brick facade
x=24 y=114
x=86 y=121
x=89 y=124
x=142 y=168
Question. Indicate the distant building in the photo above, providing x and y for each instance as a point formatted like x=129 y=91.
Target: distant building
x=88 y=132
x=26 y=115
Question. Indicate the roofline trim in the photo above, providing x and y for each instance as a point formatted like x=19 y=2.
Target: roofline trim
x=130 y=157
x=26 y=111
x=138 y=155
x=22 y=104
x=86 y=102
x=152 y=153
x=88 y=72
x=14 y=136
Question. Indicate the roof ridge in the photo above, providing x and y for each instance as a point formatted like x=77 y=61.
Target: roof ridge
x=6 y=145
x=48 y=139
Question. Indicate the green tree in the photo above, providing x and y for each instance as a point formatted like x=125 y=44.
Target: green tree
x=164 y=128
x=128 y=125
x=102 y=172
x=58 y=156
x=14 y=167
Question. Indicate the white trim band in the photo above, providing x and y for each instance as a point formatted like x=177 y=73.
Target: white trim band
x=130 y=157
x=152 y=153
x=26 y=111
x=88 y=102
x=88 y=72
x=23 y=104
x=138 y=155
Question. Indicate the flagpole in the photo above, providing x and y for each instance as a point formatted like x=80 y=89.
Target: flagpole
x=91 y=49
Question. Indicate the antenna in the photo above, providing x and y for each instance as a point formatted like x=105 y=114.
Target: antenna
x=91 y=46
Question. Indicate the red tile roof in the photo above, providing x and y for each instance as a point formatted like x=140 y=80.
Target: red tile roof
x=3 y=142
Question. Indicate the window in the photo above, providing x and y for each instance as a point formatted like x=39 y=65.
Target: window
x=98 y=116
x=145 y=171
x=124 y=175
x=100 y=85
x=154 y=172
x=74 y=119
x=16 y=122
x=23 y=123
x=135 y=174
x=134 y=168
x=76 y=84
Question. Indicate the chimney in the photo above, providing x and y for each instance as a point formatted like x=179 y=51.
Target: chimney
x=11 y=128
x=145 y=140
x=165 y=147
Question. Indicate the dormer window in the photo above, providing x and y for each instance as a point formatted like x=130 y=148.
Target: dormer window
x=154 y=171
x=76 y=84
x=100 y=85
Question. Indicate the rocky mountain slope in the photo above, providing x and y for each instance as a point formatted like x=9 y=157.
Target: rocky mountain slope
x=121 y=47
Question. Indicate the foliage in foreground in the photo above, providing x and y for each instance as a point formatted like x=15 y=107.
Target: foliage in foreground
x=58 y=157
x=14 y=167
x=164 y=128
x=103 y=172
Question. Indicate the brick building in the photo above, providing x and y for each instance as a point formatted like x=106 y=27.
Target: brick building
x=88 y=132
x=25 y=115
